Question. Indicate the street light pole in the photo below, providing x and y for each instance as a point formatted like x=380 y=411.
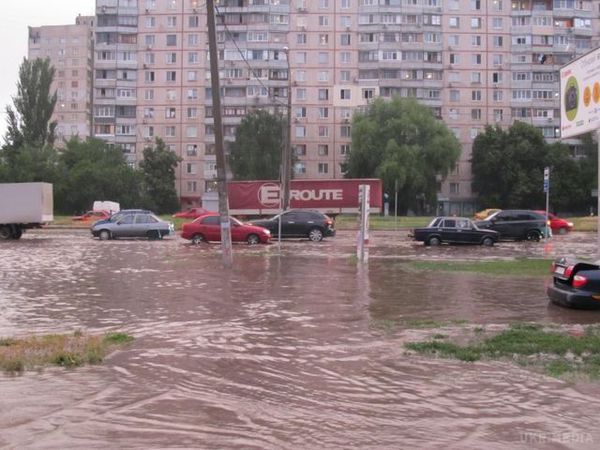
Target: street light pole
x=286 y=163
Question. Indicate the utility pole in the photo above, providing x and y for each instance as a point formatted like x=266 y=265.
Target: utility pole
x=219 y=147
x=286 y=163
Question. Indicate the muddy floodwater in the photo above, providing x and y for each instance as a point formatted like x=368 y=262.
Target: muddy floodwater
x=296 y=347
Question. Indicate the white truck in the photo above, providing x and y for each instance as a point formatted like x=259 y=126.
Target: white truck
x=23 y=206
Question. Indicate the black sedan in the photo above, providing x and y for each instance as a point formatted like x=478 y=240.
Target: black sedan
x=455 y=230
x=575 y=284
x=296 y=223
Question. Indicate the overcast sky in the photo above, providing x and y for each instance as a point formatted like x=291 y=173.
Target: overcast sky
x=15 y=18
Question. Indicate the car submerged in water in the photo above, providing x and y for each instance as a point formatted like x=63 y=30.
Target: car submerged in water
x=132 y=224
x=454 y=230
x=575 y=283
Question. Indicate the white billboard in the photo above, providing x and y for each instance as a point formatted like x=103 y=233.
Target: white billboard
x=580 y=95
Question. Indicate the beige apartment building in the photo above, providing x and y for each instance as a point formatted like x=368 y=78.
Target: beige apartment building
x=69 y=48
x=474 y=62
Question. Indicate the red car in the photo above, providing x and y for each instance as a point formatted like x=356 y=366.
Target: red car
x=208 y=228
x=92 y=216
x=191 y=213
x=558 y=225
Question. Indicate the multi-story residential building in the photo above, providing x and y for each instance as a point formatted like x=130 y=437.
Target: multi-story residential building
x=115 y=117
x=474 y=62
x=69 y=48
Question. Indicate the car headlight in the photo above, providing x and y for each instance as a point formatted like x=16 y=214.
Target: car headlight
x=267 y=232
x=570 y=224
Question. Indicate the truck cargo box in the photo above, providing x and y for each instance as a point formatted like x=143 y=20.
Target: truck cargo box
x=26 y=203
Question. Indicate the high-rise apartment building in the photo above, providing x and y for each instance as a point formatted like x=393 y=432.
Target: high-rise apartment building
x=69 y=48
x=473 y=62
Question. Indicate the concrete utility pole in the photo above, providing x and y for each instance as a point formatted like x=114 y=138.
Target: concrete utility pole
x=286 y=158
x=219 y=147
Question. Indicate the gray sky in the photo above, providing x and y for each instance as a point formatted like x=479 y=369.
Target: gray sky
x=15 y=18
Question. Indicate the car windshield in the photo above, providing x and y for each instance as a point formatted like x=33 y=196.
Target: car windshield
x=434 y=222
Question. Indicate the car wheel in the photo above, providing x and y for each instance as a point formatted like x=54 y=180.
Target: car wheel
x=5 y=233
x=154 y=235
x=17 y=233
x=198 y=239
x=104 y=235
x=253 y=239
x=487 y=242
x=434 y=241
x=315 y=235
x=533 y=235
x=562 y=231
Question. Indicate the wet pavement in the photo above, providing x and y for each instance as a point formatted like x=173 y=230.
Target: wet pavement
x=292 y=348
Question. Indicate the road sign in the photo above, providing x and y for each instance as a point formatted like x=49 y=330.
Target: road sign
x=546 y=179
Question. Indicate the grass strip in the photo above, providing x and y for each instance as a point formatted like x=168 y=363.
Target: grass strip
x=558 y=354
x=514 y=268
x=18 y=355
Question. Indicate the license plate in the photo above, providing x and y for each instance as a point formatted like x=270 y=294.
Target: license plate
x=559 y=270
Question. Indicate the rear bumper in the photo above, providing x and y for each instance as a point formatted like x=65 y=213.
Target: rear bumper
x=329 y=232
x=565 y=296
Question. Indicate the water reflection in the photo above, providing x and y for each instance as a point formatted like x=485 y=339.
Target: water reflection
x=280 y=352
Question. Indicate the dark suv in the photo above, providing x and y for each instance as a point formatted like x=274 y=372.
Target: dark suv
x=518 y=224
x=299 y=223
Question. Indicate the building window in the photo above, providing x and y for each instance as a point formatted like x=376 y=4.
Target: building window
x=323 y=150
x=170 y=113
x=323 y=168
x=323 y=131
x=300 y=168
x=192 y=150
x=454 y=188
x=171 y=40
x=344 y=149
x=191 y=168
x=170 y=131
x=300 y=150
x=476 y=114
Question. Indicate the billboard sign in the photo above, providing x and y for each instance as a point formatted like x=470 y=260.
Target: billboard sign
x=580 y=95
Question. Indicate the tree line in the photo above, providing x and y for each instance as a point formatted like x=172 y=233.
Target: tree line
x=82 y=171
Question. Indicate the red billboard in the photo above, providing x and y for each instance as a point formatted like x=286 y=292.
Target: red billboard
x=328 y=196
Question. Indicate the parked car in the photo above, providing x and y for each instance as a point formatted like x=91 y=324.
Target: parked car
x=208 y=228
x=558 y=225
x=454 y=230
x=91 y=216
x=297 y=223
x=482 y=215
x=118 y=215
x=575 y=283
x=190 y=213
x=132 y=224
x=517 y=224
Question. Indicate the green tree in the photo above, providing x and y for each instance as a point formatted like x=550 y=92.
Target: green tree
x=256 y=152
x=158 y=174
x=29 y=121
x=508 y=170
x=401 y=140
x=94 y=170
x=30 y=164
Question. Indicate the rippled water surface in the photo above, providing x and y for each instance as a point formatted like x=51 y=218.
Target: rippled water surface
x=290 y=349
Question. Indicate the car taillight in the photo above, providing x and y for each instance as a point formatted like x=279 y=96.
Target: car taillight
x=568 y=271
x=329 y=222
x=579 y=281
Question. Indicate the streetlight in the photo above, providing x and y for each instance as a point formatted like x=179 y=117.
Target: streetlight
x=286 y=154
x=287 y=149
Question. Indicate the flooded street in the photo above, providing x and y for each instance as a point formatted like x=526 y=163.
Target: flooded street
x=294 y=349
